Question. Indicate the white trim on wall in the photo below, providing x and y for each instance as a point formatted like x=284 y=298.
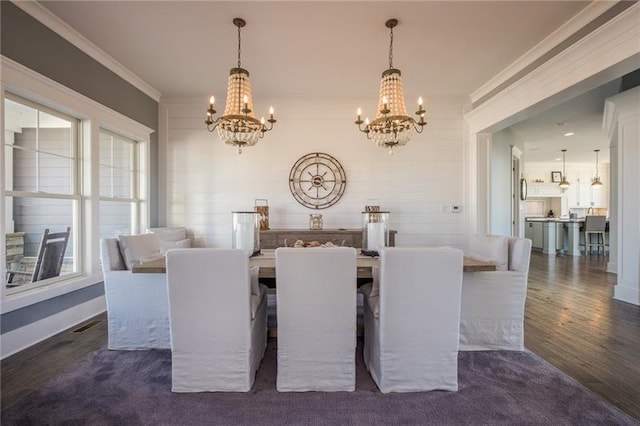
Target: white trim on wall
x=57 y=25
x=585 y=16
x=622 y=124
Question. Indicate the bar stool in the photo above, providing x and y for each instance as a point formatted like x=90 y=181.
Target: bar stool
x=594 y=225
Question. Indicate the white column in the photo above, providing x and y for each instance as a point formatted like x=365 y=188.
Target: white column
x=574 y=239
x=622 y=123
x=612 y=264
x=549 y=242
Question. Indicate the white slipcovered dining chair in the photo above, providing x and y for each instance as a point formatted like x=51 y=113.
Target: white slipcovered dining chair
x=218 y=316
x=492 y=315
x=316 y=307
x=137 y=304
x=411 y=319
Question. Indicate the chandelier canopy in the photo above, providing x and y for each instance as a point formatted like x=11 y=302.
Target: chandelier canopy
x=564 y=183
x=391 y=125
x=238 y=126
x=596 y=180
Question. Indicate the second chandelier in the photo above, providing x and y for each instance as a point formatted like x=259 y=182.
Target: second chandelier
x=392 y=126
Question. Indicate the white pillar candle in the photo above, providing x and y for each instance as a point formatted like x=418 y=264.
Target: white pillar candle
x=375 y=236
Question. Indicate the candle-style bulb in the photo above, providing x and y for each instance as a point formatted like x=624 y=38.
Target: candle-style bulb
x=262 y=120
x=359 y=112
x=271 y=110
x=245 y=99
x=366 y=121
x=211 y=100
x=420 y=101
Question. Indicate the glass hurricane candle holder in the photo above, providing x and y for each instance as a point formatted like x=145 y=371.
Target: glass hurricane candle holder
x=246 y=232
x=375 y=232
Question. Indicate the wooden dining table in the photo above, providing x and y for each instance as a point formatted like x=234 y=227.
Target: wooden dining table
x=267 y=263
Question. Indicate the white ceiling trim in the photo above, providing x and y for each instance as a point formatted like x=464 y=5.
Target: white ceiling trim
x=588 y=14
x=39 y=12
x=614 y=43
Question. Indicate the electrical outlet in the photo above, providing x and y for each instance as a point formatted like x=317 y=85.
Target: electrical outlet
x=455 y=208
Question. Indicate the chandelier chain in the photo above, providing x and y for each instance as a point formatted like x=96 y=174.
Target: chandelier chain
x=239 y=47
x=391 y=49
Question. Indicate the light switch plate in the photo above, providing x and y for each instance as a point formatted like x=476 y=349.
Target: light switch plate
x=455 y=208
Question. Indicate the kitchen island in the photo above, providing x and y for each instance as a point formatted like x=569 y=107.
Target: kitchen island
x=551 y=234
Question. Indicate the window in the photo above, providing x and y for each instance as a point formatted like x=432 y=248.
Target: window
x=119 y=183
x=41 y=190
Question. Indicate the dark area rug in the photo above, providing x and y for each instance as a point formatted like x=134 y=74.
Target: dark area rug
x=134 y=388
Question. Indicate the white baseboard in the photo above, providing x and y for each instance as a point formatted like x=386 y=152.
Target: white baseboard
x=21 y=338
x=627 y=293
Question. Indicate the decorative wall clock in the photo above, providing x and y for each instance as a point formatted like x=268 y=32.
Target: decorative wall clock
x=317 y=180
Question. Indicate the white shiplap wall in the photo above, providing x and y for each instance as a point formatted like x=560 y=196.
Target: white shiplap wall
x=206 y=179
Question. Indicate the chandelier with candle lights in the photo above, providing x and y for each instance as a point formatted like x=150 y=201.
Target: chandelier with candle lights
x=239 y=126
x=392 y=126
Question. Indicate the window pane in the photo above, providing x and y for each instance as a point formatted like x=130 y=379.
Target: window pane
x=25 y=171
x=115 y=218
x=54 y=135
x=19 y=119
x=39 y=150
x=122 y=154
x=55 y=174
x=105 y=149
x=31 y=216
x=116 y=166
x=105 y=181
x=122 y=183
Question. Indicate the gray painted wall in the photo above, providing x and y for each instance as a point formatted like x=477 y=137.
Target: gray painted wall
x=30 y=43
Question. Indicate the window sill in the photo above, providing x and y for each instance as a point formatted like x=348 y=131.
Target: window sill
x=20 y=300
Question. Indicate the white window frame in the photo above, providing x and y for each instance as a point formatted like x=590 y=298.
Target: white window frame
x=74 y=196
x=28 y=84
x=135 y=190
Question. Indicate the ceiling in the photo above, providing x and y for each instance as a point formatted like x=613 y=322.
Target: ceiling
x=316 y=48
x=544 y=134
x=331 y=49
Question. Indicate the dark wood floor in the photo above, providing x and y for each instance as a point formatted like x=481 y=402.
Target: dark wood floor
x=571 y=321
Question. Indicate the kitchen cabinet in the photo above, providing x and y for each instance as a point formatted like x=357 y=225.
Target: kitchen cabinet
x=544 y=190
x=579 y=195
x=535 y=232
x=528 y=231
x=599 y=197
x=560 y=236
x=582 y=195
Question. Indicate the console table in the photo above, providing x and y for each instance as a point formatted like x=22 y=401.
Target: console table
x=274 y=238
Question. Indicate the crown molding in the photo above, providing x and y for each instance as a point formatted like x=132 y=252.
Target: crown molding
x=64 y=30
x=610 y=51
x=33 y=86
x=586 y=15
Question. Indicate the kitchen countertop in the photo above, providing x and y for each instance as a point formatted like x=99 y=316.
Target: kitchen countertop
x=556 y=219
x=553 y=219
